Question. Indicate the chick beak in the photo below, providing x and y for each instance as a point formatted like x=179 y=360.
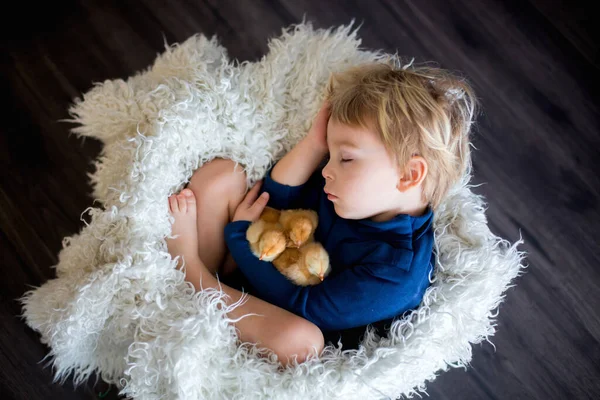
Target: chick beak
x=261 y=257
x=298 y=244
x=321 y=277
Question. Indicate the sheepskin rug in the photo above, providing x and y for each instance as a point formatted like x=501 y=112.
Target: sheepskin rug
x=119 y=306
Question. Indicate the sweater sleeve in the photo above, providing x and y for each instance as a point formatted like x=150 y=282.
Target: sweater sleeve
x=283 y=197
x=354 y=297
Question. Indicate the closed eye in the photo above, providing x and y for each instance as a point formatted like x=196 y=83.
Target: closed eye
x=346 y=159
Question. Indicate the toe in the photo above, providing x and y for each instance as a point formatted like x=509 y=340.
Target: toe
x=182 y=203
x=189 y=196
x=174 y=204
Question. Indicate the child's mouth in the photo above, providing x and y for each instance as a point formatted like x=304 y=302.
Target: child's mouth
x=329 y=195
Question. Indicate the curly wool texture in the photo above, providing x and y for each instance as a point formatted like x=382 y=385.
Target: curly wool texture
x=119 y=306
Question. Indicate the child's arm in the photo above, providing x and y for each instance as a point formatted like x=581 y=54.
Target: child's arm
x=284 y=197
x=298 y=164
x=357 y=296
x=294 y=181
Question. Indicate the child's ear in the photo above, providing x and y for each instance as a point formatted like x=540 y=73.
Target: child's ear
x=415 y=172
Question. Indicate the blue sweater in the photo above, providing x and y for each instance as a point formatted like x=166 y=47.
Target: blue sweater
x=378 y=269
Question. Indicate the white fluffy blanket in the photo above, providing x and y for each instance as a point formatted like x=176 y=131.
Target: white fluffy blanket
x=118 y=305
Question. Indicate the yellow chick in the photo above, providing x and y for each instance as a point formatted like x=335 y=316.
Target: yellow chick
x=299 y=226
x=270 y=214
x=266 y=236
x=307 y=265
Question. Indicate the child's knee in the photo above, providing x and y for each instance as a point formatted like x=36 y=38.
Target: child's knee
x=219 y=178
x=233 y=186
x=315 y=338
x=233 y=181
x=302 y=338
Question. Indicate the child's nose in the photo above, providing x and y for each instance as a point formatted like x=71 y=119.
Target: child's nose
x=325 y=172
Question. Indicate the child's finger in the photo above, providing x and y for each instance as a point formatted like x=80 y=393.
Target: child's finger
x=253 y=194
x=325 y=109
x=260 y=204
x=322 y=117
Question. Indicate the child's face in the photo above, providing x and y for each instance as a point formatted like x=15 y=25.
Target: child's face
x=360 y=173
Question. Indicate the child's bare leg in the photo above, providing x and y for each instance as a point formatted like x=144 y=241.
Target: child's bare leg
x=218 y=190
x=274 y=328
x=229 y=265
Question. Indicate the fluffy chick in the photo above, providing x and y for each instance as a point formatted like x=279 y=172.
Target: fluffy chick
x=270 y=214
x=307 y=265
x=299 y=225
x=266 y=236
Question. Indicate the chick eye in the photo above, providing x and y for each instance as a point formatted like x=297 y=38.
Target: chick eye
x=346 y=159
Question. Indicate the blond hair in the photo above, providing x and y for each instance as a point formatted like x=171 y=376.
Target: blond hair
x=423 y=111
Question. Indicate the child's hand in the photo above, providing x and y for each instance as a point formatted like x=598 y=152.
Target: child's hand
x=250 y=208
x=318 y=131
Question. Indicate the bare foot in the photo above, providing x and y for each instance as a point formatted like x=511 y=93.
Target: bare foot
x=183 y=207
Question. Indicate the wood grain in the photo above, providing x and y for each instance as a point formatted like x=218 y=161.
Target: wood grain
x=533 y=65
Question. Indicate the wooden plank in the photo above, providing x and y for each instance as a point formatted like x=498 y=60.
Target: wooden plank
x=532 y=65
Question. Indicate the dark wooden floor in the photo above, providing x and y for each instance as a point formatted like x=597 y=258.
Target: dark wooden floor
x=533 y=63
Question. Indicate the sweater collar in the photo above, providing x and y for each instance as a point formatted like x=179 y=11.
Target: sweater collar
x=402 y=224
